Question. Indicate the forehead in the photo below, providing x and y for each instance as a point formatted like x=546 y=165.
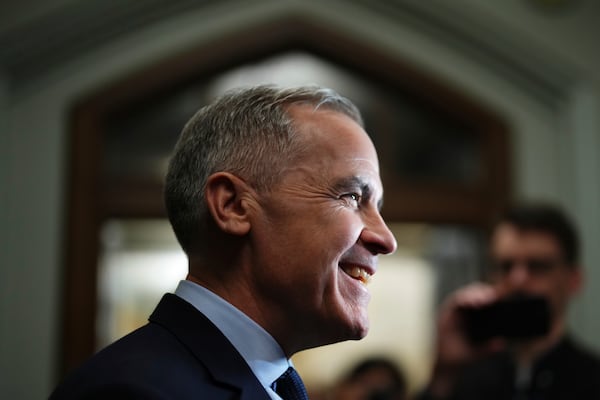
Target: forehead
x=508 y=240
x=334 y=147
x=326 y=131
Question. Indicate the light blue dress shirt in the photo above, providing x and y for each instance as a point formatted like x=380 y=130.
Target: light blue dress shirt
x=258 y=348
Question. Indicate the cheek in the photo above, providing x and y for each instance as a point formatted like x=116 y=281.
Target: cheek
x=346 y=225
x=554 y=289
x=563 y=289
x=336 y=232
x=313 y=245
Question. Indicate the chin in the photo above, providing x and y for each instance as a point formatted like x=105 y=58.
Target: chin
x=358 y=330
x=354 y=330
x=357 y=334
x=362 y=333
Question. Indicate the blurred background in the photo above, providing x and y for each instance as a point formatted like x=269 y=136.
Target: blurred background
x=471 y=105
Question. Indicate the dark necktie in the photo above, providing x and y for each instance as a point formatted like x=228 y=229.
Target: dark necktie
x=289 y=386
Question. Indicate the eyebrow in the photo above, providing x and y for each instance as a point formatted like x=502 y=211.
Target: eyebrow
x=353 y=182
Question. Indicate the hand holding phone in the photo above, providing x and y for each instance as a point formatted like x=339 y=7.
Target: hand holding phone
x=517 y=317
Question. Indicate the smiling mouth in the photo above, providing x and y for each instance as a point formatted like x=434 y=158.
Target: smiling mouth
x=358 y=273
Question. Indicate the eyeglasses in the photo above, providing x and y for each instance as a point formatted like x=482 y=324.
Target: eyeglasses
x=535 y=266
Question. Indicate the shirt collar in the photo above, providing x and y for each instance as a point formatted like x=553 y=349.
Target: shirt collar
x=259 y=349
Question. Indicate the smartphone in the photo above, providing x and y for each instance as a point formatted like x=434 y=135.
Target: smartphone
x=517 y=317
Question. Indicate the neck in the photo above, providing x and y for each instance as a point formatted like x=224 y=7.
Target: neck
x=527 y=352
x=238 y=293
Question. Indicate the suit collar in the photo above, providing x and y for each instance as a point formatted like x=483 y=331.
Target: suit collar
x=207 y=344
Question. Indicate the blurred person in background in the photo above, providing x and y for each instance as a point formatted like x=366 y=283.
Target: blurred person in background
x=534 y=255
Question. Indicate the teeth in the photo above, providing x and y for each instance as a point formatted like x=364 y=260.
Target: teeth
x=359 y=273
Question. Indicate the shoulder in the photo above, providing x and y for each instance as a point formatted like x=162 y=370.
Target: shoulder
x=109 y=391
x=569 y=371
x=178 y=354
x=578 y=358
x=136 y=367
x=136 y=390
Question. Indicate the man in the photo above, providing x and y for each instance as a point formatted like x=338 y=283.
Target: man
x=274 y=195
x=534 y=250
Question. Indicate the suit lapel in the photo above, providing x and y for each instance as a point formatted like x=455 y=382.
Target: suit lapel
x=208 y=345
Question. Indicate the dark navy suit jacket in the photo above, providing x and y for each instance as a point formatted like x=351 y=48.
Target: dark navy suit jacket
x=179 y=354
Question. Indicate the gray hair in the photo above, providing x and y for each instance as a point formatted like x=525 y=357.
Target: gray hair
x=247 y=132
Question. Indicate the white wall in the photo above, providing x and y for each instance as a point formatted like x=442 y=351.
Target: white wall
x=581 y=142
x=556 y=152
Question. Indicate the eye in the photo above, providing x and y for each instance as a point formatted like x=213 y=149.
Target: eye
x=353 y=199
x=504 y=266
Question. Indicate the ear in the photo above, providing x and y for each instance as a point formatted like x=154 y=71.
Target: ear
x=225 y=196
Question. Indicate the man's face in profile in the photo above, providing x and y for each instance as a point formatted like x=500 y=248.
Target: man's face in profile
x=533 y=262
x=320 y=232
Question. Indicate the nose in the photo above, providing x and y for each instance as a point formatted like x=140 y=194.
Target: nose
x=518 y=276
x=377 y=237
